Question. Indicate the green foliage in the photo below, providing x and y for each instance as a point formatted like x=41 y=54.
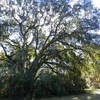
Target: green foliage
x=51 y=34
x=47 y=85
x=15 y=85
x=51 y=85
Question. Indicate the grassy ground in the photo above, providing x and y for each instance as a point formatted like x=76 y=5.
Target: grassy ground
x=90 y=90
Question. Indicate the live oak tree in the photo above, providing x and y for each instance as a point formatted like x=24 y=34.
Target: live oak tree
x=37 y=34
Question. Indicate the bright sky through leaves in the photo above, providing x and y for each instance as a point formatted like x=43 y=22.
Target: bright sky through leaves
x=96 y=3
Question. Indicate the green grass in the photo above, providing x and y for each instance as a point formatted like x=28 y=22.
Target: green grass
x=90 y=90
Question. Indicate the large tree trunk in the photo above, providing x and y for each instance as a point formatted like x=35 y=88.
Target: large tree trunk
x=31 y=74
x=36 y=64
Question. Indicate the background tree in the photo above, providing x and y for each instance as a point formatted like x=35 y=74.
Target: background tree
x=48 y=33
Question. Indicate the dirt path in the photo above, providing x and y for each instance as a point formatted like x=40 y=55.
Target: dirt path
x=97 y=91
x=95 y=95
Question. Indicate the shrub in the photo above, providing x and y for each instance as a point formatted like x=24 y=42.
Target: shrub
x=16 y=86
x=49 y=85
x=19 y=85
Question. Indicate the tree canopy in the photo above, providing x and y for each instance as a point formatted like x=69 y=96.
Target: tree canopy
x=53 y=34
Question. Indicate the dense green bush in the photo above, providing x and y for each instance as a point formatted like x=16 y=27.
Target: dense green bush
x=74 y=83
x=49 y=85
x=15 y=85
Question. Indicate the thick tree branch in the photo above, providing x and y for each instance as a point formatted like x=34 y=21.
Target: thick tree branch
x=5 y=52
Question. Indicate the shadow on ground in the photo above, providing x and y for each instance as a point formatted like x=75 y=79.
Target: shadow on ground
x=84 y=97
x=93 y=96
x=81 y=97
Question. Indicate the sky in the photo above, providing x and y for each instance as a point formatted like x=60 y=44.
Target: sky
x=96 y=3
